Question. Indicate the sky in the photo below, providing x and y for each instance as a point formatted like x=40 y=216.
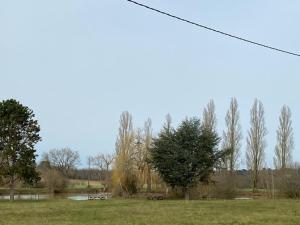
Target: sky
x=78 y=64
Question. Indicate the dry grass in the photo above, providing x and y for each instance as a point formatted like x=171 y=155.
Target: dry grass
x=81 y=184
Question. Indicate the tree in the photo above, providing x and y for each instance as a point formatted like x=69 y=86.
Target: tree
x=209 y=117
x=256 y=142
x=65 y=159
x=143 y=144
x=103 y=162
x=19 y=132
x=148 y=146
x=187 y=155
x=108 y=159
x=285 y=140
x=51 y=177
x=125 y=171
x=232 y=136
x=139 y=156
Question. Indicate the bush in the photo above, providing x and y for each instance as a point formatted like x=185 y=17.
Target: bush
x=53 y=180
x=224 y=186
x=288 y=183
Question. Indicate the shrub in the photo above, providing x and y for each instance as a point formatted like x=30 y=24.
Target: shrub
x=53 y=180
x=288 y=183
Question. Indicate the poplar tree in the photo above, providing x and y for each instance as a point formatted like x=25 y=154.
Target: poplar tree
x=285 y=140
x=209 y=118
x=256 y=142
x=232 y=136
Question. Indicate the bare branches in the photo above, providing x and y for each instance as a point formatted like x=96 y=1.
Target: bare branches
x=209 y=117
x=63 y=159
x=148 y=145
x=232 y=136
x=102 y=161
x=285 y=140
x=256 y=142
x=124 y=170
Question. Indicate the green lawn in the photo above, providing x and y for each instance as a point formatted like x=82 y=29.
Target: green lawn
x=119 y=212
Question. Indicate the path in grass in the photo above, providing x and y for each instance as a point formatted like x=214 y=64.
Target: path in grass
x=142 y=212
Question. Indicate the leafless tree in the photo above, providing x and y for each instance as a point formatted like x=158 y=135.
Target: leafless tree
x=63 y=159
x=148 y=145
x=89 y=161
x=125 y=168
x=103 y=163
x=209 y=117
x=168 y=122
x=232 y=136
x=256 y=142
x=98 y=162
x=139 y=156
x=108 y=160
x=285 y=140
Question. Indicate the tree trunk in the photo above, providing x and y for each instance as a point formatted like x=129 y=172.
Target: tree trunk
x=186 y=193
x=255 y=181
x=149 y=180
x=11 y=190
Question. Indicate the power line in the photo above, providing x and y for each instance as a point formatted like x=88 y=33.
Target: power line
x=212 y=29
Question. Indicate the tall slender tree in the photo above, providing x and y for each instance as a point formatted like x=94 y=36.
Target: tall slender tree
x=148 y=146
x=256 y=142
x=143 y=144
x=209 y=117
x=232 y=136
x=285 y=140
x=139 y=156
x=124 y=174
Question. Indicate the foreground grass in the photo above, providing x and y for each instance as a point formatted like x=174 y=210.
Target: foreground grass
x=119 y=212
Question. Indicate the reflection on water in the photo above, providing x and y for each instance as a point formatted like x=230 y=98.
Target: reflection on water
x=77 y=197
x=25 y=197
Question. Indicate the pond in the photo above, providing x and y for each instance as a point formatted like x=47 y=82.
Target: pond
x=76 y=197
x=25 y=197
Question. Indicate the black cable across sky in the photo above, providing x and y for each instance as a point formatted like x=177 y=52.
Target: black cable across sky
x=214 y=30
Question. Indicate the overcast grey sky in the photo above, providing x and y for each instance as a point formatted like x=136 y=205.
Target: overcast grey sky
x=79 y=63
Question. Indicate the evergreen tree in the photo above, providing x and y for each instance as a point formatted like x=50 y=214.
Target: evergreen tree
x=187 y=155
x=19 y=132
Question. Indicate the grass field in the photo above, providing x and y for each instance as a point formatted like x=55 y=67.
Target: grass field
x=142 y=212
x=83 y=184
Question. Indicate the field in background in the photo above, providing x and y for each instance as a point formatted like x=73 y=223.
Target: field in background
x=73 y=186
x=83 y=184
x=146 y=212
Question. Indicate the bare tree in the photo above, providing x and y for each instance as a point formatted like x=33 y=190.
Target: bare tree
x=256 y=142
x=168 y=122
x=148 y=145
x=125 y=168
x=209 y=116
x=98 y=162
x=103 y=163
x=232 y=136
x=63 y=159
x=139 y=156
x=285 y=140
x=89 y=161
x=108 y=160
